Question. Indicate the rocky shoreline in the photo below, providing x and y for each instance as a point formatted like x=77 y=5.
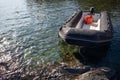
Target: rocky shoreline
x=12 y=69
x=55 y=71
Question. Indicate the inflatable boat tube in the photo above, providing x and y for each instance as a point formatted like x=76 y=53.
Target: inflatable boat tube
x=76 y=32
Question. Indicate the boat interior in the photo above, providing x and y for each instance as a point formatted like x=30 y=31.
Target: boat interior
x=95 y=25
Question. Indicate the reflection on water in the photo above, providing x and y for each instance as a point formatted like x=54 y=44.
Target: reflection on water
x=29 y=28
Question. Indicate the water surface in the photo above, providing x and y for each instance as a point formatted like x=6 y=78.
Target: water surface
x=29 y=28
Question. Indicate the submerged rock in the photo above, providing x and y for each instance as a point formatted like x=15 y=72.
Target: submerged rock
x=77 y=71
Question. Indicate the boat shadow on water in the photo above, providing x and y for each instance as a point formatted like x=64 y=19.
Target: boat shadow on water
x=84 y=55
x=92 y=54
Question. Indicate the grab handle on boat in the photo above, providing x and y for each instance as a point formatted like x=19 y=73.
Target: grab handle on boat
x=92 y=11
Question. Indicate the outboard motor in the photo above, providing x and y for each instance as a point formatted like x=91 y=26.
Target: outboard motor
x=92 y=11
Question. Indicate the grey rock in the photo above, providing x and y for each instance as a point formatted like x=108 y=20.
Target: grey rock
x=36 y=78
x=98 y=74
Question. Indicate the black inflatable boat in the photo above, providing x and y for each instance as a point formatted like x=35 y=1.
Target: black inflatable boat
x=75 y=31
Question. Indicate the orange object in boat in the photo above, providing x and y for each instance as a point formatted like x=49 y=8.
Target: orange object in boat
x=88 y=19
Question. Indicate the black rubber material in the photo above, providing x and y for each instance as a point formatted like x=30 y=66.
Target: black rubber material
x=82 y=37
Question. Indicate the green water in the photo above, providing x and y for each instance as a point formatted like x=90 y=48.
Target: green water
x=29 y=28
